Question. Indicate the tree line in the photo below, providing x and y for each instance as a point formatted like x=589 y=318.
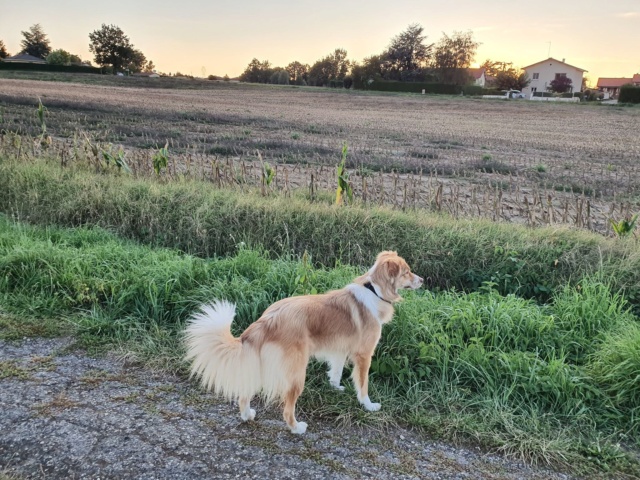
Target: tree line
x=111 y=48
x=407 y=58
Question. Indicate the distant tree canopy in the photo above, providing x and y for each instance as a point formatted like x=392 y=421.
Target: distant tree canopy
x=111 y=47
x=149 y=67
x=35 y=42
x=334 y=66
x=492 y=69
x=62 y=57
x=3 y=50
x=371 y=68
x=298 y=73
x=279 y=77
x=511 y=79
x=407 y=54
x=257 y=72
x=453 y=56
x=407 y=58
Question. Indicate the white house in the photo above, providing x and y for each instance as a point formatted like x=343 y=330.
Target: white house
x=543 y=73
x=478 y=75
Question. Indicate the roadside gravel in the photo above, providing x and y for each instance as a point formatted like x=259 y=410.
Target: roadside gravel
x=66 y=415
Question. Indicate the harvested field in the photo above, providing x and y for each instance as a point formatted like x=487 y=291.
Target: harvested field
x=518 y=161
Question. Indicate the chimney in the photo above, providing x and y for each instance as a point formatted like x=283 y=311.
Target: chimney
x=563 y=60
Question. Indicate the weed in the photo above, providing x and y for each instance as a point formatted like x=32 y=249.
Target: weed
x=624 y=227
x=344 y=186
x=160 y=159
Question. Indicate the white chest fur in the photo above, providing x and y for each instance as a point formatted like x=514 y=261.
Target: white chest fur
x=380 y=309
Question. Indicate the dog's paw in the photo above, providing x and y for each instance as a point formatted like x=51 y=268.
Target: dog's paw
x=370 y=406
x=337 y=386
x=300 y=428
x=248 y=417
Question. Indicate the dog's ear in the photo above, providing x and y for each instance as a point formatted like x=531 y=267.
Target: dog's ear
x=393 y=269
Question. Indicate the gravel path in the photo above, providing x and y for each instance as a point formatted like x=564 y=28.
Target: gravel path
x=67 y=415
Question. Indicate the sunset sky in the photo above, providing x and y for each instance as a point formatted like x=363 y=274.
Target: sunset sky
x=221 y=37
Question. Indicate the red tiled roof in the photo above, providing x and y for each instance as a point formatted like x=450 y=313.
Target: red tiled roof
x=613 y=82
x=636 y=78
x=476 y=73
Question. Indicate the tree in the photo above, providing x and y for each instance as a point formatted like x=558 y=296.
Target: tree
x=136 y=61
x=492 y=69
x=279 y=77
x=59 y=57
x=298 y=73
x=371 y=68
x=35 y=42
x=257 y=72
x=3 y=50
x=150 y=67
x=561 y=84
x=334 y=66
x=453 y=55
x=407 y=53
x=111 y=46
x=511 y=79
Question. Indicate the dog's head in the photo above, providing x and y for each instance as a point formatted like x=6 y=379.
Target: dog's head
x=391 y=273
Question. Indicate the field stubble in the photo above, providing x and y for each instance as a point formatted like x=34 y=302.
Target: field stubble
x=537 y=164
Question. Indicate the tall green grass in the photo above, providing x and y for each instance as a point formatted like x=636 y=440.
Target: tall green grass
x=555 y=383
x=202 y=220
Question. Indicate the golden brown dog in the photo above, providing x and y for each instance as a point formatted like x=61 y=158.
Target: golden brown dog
x=270 y=358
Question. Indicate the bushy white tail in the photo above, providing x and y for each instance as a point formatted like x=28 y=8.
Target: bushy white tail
x=220 y=360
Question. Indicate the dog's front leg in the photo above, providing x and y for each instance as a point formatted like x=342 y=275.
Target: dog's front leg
x=362 y=362
x=336 y=365
x=246 y=412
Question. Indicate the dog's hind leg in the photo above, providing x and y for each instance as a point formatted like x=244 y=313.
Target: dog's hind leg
x=336 y=364
x=297 y=369
x=246 y=412
x=289 y=413
x=362 y=362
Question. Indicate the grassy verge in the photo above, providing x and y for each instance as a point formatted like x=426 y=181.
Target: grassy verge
x=199 y=219
x=550 y=383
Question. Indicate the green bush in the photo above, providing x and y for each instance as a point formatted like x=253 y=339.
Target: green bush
x=472 y=90
x=492 y=91
x=43 y=67
x=629 y=94
x=414 y=87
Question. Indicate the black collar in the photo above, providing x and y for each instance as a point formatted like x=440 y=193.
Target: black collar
x=369 y=286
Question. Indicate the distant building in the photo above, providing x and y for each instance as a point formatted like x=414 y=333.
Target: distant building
x=478 y=75
x=24 y=58
x=543 y=73
x=611 y=86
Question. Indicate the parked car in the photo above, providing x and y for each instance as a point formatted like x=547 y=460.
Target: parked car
x=514 y=94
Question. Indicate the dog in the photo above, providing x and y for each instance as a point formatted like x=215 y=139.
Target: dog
x=271 y=356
